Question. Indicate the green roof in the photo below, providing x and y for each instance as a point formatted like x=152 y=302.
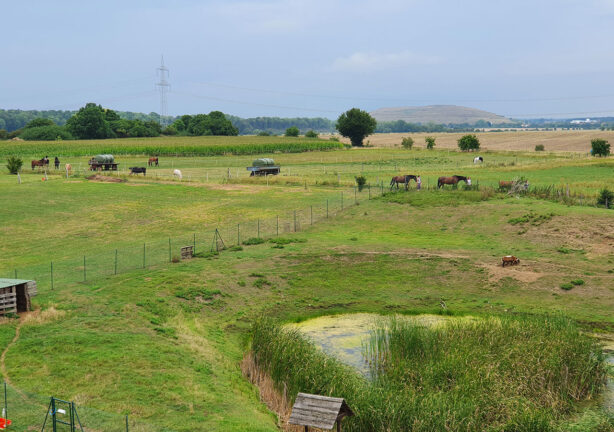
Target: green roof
x=11 y=282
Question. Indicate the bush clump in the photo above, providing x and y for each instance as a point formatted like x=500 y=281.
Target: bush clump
x=605 y=198
x=539 y=147
x=600 y=147
x=469 y=143
x=407 y=143
x=361 y=181
x=430 y=142
x=253 y=241
x=14 y=164
x=311 y=134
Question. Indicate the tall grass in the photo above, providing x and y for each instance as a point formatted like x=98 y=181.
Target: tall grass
x=168 y=146
x=519 y=373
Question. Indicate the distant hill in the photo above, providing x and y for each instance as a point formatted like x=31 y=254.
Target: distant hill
x=441 y=114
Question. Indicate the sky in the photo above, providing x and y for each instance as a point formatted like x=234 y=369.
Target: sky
x=299 y=58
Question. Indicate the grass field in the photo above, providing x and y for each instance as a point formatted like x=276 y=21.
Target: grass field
x=164 y=344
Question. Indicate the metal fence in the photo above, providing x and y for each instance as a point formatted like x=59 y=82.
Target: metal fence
x=29 y=411
x=97 y=264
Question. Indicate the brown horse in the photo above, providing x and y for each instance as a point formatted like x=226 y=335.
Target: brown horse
x=40 y=163
x=152 y=160
x=402 y=179
x=442 y=181
x=504 y=184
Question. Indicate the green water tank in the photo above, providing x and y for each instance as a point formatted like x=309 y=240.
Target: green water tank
x=263 y=162
x=104 y=158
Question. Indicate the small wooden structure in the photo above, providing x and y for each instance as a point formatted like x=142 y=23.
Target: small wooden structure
x=319 y=411
x=187 y=252
x=15 y=295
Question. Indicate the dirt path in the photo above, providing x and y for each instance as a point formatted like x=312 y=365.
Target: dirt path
x=5 y=374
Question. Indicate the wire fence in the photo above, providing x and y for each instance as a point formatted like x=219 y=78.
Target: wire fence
x=94 y=265
x=30 y=411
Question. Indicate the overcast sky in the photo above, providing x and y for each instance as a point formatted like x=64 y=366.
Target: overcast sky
x=311 y=58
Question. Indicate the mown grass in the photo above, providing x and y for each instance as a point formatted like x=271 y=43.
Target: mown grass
x=522 y=373
x=167 y=146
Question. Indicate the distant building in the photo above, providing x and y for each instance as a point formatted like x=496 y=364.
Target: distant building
x=583 y=121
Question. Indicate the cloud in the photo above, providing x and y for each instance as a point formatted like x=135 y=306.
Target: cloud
x=374 y=62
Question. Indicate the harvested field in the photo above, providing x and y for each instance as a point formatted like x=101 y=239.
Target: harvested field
x=568 y=141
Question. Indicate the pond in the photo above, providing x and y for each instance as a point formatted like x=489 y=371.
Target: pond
x=343 y=337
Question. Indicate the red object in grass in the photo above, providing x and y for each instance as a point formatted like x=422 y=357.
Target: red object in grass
x=4 y=423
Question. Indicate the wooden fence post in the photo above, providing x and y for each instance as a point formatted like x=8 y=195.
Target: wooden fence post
x=51 y=274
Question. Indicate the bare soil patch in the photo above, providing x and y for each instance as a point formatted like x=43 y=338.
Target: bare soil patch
x=105 y=179
x=520 y=272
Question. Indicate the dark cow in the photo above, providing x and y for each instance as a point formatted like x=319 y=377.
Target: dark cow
x=138 y=170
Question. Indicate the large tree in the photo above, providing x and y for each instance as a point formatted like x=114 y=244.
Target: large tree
x=356 y=124
x=90 y=123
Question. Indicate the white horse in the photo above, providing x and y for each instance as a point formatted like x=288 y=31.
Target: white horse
x=478 y=159
x=177 y=174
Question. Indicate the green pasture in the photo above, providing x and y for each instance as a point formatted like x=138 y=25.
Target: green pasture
x=163 y=343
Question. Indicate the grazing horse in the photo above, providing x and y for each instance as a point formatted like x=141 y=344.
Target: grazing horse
x=138 y=170
x=152 y=160
x=44 y=162
x=68 y=167
x=177 y=174
x=442 y=181
x=478 y=159
x=402 y=179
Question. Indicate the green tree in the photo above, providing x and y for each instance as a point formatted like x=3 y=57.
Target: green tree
x=45 y=133
x=39 y=122
x=430 y=142
x=361 y=181
x=356 y=124
x=292 y=131
x=311 y=134
x=3 y=134
x=468 y=143
x=90 y=123
x=540 y=147
x=14 y=164
x=407 y=142
x=600 y=147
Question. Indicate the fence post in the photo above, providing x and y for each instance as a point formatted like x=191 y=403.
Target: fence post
x=84 y=270
x=238 y=234
x=342 y=200
x=194 y=243
x=258 y=228
x=51 y=277
x=143 y=255
x=169 y=250
x=15 y=273
x=277 y=229
x=127 y=424
x=6 y=405
x=294 y=220
x=311 y=214
x=115 y=261
x=355 y=197
x=326 y=209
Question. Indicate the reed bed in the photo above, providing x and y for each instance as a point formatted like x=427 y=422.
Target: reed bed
x=521 y=373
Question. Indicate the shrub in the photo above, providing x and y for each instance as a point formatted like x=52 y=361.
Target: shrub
x=430 y=142
x=235 y=248
x=361 y=181
x=264 y=133
x=468 y=143
x=3 y=134
x=566 y=286
x=407 y=143
x=14 y=164
x=600 y=147
x=292 y=131
x=253 y=241
x=577 y=282
x=605 y=198
x=540 y=147
x=311 y=134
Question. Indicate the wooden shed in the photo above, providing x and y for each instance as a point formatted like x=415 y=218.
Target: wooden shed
x=319 y=411
x=16 y=295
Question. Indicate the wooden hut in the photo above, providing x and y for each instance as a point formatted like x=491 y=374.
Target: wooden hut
x=319 y=411
x=15 y=295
